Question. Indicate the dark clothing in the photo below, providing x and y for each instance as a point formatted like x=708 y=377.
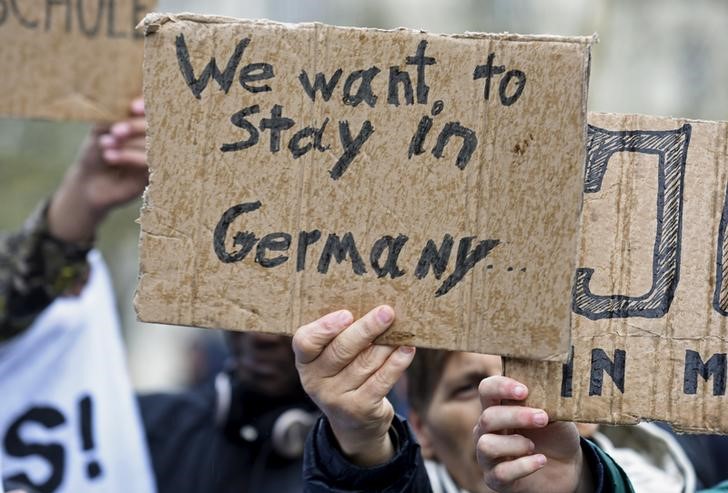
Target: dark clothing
x=721 y=488
x=35 y=269
x=325 y=468
x=192 y=453
x=707 y=453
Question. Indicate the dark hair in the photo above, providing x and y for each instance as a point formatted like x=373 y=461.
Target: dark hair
x=423 y=375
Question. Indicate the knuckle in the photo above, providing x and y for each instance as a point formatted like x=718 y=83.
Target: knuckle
x=302 y=335
x=524 y=417
x=366 y=359
x=301 y=344
x=504 y=387
x=369 y=328
x=339 y=351
x=485 y=445
x=484 y=387
x=380 y=380
x=485 y=420
x=496 y=478
x=297 y=340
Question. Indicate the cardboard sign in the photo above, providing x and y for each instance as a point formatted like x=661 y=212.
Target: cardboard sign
x=650 y=299
x=72 y=59
x=299 y=169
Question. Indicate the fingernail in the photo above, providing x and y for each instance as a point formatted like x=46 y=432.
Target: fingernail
x=111 y=154
x=540 y=460
x=531 y=447
x=519 y=391
x=540 y=418
x=107 y=140
x=385 y=315
x=137 y=106
x=406 y=349
x=344 y=317
x=120 y=129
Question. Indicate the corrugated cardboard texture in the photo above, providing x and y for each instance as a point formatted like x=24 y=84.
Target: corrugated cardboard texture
x=653 y=319
x=515 y=199
x=73 y=60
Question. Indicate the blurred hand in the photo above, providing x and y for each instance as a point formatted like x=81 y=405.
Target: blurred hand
x=519 y=450
x=111 y=171
x=348 y=377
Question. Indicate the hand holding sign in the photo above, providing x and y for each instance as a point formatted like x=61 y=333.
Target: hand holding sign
x=349 y=377
x=111 y=171
x=519 y=450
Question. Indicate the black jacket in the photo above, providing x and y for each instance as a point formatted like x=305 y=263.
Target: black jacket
x=325 y=469
x=193 y=450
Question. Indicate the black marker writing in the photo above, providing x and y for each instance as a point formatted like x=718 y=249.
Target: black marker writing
x=24 y=439
x=671 y=146
x=600 y=364
x=488 y=71
x=352 y=146
x=224 y=79
x=235 y=244
x=466 y=260
x=715 y=367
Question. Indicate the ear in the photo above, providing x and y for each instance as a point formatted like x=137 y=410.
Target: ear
x=422 y=433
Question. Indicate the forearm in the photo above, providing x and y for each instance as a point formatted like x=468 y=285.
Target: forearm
x=36 y=268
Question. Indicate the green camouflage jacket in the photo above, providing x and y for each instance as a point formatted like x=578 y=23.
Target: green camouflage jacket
x=35 y=269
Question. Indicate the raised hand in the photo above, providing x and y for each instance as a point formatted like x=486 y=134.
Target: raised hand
x=111 y=171
x=348 y=376
x=518 y=449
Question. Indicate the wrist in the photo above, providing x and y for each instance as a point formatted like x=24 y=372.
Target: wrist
x=365 y=449
x=71 y=218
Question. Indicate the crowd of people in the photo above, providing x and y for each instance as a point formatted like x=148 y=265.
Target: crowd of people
x=315 y=413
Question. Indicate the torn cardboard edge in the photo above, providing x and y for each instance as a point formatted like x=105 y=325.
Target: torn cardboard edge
x=154 y=20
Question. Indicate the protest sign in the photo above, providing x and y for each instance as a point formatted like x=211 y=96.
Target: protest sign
x=70 y=59
x=299 y=169
x=651 y=296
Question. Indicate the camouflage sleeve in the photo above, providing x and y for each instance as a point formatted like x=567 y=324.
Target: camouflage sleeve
x=35 y=269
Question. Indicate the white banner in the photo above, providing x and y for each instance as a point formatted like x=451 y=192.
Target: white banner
x=68 y=419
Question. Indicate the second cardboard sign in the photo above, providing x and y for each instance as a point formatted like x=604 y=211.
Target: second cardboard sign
x=650 y=299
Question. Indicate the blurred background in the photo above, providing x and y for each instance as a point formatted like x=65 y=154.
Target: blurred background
x=660 y=57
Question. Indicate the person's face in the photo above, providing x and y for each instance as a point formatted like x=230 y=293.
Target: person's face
x=264 y=362
x=445 y=432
